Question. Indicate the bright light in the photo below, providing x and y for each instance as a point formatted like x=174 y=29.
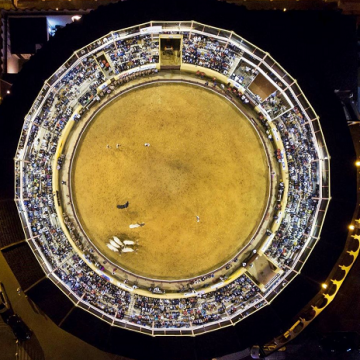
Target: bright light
x=76 y=18
x=284 y=9
x=8 y=91
x=357 y=163
x=324 y=286
x=351 y=227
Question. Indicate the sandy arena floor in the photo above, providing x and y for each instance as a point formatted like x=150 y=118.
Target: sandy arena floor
x=205 y=160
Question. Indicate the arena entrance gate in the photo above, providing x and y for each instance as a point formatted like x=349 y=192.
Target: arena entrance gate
x=170 y=51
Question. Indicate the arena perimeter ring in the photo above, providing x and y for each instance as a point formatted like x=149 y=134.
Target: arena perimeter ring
x=215 y=63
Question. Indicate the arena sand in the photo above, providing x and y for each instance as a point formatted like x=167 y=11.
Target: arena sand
x=204 y=159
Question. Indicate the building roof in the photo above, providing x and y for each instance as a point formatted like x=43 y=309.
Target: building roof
x=26 y=34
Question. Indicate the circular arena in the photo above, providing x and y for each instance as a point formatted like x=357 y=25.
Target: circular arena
x=171 y=178
x=201 y=187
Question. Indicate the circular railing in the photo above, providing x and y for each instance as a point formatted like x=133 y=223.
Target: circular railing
x=205 y=54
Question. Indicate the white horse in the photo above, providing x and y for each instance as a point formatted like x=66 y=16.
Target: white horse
x=127 y=249
x=112 y=247
x=113 y=243
x=118 y=241
x=129 y=242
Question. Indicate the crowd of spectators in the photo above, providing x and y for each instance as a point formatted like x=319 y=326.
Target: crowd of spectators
x=244 y=74
x=195 y=310
x=275 y=104
x=208 y=52
x=38 y=200
x=134 y=52
x=303 y=189
x=92 y=288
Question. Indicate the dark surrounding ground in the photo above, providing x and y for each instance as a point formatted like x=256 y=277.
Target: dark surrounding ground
x=319 y=50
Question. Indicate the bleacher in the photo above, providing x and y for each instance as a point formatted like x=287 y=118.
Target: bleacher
x=98 y=70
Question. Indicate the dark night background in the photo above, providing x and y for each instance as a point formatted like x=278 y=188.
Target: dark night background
x=318 y=48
